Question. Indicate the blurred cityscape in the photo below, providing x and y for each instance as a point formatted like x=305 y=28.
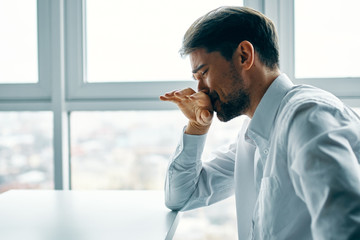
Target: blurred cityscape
x=26 y=152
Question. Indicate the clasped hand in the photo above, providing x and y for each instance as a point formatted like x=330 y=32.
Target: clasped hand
x=196 y=106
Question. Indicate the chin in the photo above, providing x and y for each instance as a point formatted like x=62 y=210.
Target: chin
x=223 y=118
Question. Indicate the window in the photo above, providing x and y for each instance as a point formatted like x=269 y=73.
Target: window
x=63 y=36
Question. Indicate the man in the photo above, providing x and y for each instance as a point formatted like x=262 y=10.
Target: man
x=295 y=166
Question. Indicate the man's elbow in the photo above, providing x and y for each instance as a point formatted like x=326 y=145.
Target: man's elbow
x=173 y=205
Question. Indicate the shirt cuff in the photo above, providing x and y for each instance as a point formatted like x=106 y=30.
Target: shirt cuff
x=190 y=148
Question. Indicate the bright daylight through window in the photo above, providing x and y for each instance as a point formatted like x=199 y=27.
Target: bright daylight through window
x=327 y=38
x=139 y=40
x=18 y=41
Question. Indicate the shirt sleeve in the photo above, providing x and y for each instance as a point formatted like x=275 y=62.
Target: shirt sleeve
x=191 y=183
x=324 y=150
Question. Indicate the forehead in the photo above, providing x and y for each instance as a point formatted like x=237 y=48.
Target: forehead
x=197 y=57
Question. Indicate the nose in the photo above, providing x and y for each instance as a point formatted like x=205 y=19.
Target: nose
x=202 y=86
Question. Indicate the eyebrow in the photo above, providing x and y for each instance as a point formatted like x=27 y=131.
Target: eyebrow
x=198 y=68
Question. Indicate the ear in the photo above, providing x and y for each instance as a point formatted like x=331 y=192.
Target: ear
x=245 y=55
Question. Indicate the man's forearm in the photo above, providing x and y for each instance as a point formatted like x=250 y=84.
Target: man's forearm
x=184 y=171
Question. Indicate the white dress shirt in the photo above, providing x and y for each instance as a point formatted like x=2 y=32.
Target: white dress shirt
x=294 y=169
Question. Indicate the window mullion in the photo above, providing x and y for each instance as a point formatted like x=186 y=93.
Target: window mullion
x=286 y=37
x=60 y=114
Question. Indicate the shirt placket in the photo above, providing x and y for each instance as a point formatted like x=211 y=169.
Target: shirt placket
x=261 y=154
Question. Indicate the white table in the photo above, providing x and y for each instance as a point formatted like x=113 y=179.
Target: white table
x=85 y=215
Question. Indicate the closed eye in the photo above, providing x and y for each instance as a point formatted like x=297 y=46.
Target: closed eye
x=204 y=72
x=199 y=74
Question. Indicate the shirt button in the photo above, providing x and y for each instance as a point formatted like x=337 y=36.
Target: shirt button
x=266 y=151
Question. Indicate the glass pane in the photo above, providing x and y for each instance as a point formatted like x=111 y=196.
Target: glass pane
x=26 y=150
x=131 y=149
x=140 y=40
x=121 y=150
x=18 y=41
x=327 y=38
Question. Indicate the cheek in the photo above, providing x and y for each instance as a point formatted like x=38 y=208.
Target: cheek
x=214 y=80
x=220 y=82
x=224 y=88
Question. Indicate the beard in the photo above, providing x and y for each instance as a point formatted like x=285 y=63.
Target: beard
x=236 y=103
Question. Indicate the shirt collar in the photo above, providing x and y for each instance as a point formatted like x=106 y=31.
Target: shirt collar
x=265 y=113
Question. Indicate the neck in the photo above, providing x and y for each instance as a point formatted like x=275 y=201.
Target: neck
x=259 y=83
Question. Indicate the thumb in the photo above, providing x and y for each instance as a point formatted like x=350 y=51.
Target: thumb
x=206 y=116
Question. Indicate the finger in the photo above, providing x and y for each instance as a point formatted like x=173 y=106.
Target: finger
x=202 y=99
x=199 y=95
x=164 y=98
x=168 y=96
x=180 y=94
x=185 y=93
x=172 y=99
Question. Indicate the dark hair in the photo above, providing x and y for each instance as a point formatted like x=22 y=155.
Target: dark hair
x=224 y=28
